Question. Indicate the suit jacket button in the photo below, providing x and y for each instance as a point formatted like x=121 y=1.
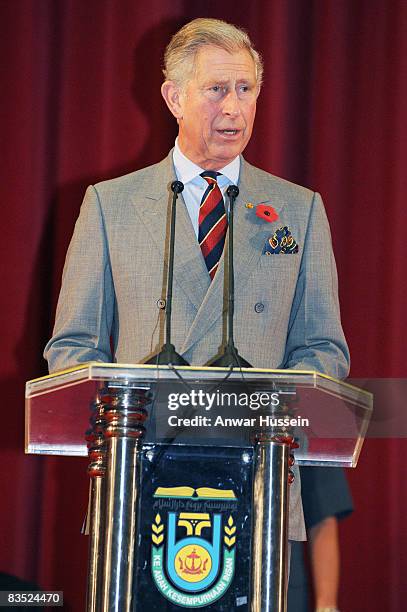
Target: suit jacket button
x=259 y=307
x=161 y=304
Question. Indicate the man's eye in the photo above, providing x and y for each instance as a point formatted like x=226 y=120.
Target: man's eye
x=215 y=88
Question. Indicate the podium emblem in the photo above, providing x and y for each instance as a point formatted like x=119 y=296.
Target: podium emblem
x=193 y=544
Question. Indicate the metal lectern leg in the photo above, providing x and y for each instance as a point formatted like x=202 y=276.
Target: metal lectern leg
x=121 y=495
x=115 y=526
x=270 y=526
x=95 y=564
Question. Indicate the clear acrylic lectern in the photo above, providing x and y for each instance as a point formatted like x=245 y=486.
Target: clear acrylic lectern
x=197 y=530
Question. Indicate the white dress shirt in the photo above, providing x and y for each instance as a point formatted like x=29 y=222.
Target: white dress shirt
x=194 y=185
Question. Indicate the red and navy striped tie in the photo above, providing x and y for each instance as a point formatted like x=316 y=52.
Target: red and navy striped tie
x=212 y=222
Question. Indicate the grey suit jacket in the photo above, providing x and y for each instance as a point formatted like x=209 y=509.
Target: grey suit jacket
x=286 y=305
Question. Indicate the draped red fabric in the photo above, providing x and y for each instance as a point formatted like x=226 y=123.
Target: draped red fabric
x=80 y=102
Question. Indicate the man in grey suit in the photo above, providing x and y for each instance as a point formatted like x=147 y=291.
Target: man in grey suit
x=286 y=305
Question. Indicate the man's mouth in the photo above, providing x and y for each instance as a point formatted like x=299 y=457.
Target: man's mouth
x=229 y=132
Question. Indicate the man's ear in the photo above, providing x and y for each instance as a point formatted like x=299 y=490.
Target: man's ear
x=172 y=96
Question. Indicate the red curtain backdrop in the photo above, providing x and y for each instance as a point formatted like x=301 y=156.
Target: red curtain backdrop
x=80 y=102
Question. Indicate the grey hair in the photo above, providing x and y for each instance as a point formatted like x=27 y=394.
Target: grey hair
x=179 y=57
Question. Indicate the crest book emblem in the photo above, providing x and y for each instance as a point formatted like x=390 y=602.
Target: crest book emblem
x=193 y=544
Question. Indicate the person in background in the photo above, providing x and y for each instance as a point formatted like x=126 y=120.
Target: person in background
x=326 y=500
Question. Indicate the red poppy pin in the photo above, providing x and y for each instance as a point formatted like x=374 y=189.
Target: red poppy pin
x=266 y=212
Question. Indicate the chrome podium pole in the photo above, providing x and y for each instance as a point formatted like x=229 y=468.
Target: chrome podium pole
x=269 y=570
x=124 y=413
x=114 y=498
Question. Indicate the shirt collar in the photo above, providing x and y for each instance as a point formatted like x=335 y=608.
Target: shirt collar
x=187 y=171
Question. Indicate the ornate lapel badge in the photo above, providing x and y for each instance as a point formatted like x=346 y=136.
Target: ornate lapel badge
x=266 y=212
x=263 y=211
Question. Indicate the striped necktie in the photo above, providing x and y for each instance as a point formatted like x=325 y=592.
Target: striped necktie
x=212 y=222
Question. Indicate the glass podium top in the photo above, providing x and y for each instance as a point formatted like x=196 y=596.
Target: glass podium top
x=328 y=417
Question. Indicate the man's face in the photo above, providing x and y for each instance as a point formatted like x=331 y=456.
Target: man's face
x=216 y=108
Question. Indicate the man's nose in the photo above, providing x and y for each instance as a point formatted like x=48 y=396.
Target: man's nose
x=231 y=104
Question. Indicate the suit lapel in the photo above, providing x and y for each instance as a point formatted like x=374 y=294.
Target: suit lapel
x=190 y=271
x=250 y=231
